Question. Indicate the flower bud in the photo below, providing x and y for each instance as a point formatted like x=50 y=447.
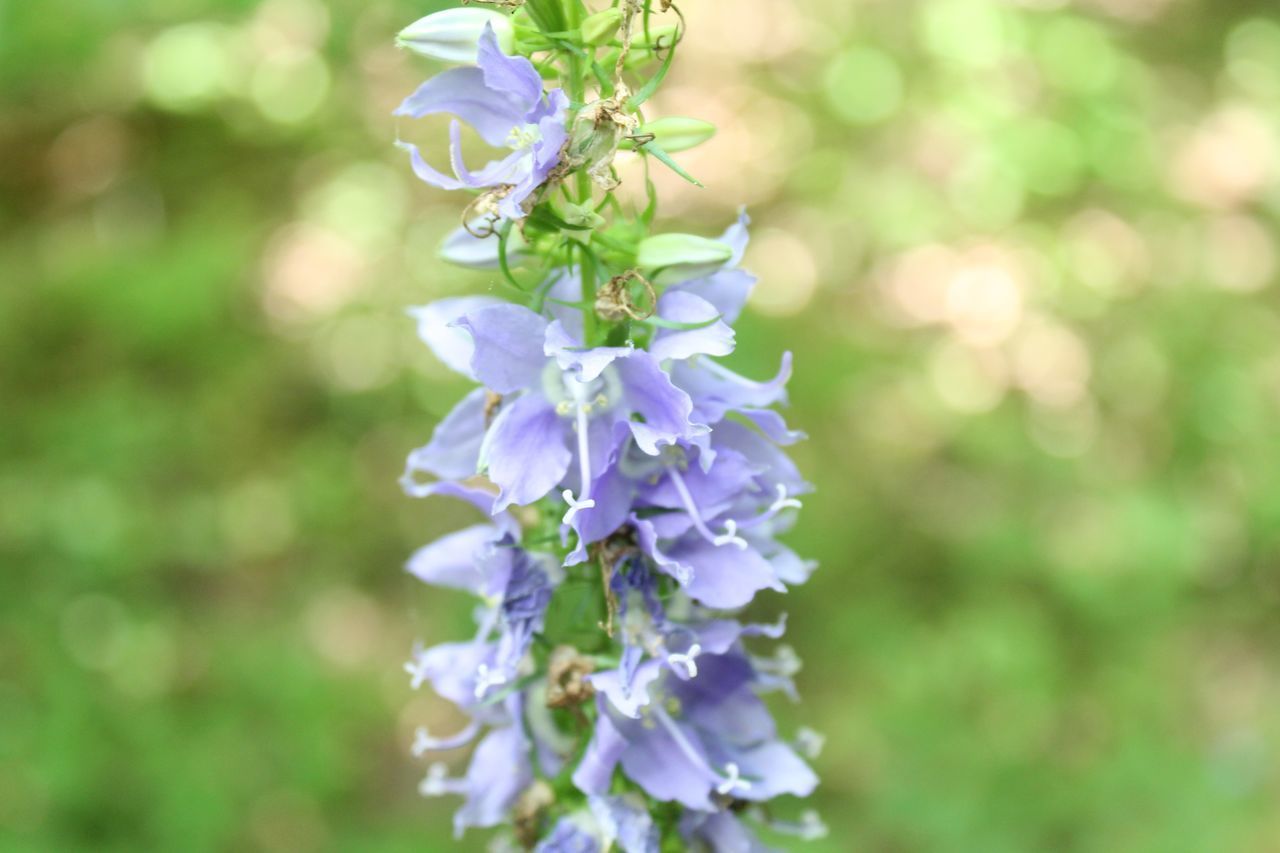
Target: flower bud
x=669 y=250
x=599 y=28
x=462 y=248
x=675 y=133
x=454 y=34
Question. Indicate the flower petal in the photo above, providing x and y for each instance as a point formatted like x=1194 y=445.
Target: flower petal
x=508 y=346
x=627 y=696
x=464 y=92
x=498 y=773
x=426 y=171
x=686 y=308
x=525 y=451
x=724 y=577
x=452 y=560
x=512 y=76
x=586 y=362
x=716 y=390
x=594 y=773
x=666 y=409
x=656 y=762
x=451 y=344
x=454 y=450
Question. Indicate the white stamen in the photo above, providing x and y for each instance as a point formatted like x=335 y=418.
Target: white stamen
x=809 y=828
x=733 y=781
x=437 y=782
x=784 y=663
x=575 y=506
x=487 y=678
x=809 y=742
x=783 y=501
x=423 y=742
x=417 y=669
x=582 y=409
x=729 y=537
x=688 y=661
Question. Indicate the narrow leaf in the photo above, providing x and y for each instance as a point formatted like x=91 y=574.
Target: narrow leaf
x=663 y=157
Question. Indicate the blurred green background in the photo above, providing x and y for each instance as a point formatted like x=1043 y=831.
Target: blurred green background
x=1025 y=253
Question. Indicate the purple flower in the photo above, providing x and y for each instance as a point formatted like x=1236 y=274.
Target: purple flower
x=499 y=771
x=676 y=469
x=698 y=740
x=558 y=402
x=502 y=99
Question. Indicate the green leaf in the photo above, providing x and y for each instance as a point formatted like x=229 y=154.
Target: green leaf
x=504 y=234
x=545 y=218
x=646 y=91
x=663 y=157
x=672 y=134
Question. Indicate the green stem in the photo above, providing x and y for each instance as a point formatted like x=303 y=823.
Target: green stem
x=588 y=264
x=578 y=65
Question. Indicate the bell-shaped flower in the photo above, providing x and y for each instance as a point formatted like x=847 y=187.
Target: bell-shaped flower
x=499 y=771
x=501 y=97
x=698 y=741
x=712 y=527
x=548 y=401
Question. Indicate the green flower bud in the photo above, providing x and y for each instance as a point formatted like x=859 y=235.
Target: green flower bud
x=676 y=133
x=599 y=28
x=669 y=250
x=581 y=215
x=454 y=34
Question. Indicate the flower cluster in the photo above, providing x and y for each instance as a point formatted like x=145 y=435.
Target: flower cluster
x=633 y=487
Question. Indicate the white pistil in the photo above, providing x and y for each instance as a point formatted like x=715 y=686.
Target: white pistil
x=582 y=409
x=437 y=782
x=781 y=502
x=575 y=506
x=809 y=828
x=809 y=742
x=417 y=669
x=688 y=661
x=730 y=535
x=423 y=742
x=486 y=679
x=785 y=663
x=733 y=781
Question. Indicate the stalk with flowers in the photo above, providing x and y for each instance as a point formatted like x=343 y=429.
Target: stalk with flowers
x=632 y=488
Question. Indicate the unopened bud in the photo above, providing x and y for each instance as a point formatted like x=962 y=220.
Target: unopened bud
x=463 y=248
x=675 y=133
x=670 y=250
x=454 y=34
x=599 y=28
